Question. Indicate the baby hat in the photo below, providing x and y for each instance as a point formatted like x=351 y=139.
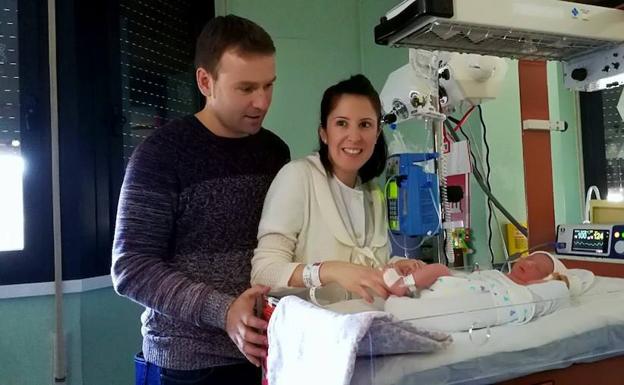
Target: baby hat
x=559 y=267
x=580 y=280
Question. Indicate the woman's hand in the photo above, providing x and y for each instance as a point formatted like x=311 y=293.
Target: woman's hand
x=408 y=266
x=356 y=279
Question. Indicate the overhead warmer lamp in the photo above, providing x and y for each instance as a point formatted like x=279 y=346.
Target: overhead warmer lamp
x=588 y=39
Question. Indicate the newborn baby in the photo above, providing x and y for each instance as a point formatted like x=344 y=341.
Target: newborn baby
x=537 y=285
x=535 y=268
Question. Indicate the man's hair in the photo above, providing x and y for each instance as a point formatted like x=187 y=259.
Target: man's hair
x=355 y=85
x=230 y=32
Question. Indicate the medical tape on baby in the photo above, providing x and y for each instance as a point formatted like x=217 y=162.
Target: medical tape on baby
x=408 y=280
x=390 y=276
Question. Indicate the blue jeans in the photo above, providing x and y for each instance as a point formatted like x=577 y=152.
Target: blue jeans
x=150 y=374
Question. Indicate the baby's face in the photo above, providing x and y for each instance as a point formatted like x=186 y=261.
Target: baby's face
x=532 y=268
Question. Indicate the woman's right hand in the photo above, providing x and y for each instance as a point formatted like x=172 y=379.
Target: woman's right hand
x=356 y=279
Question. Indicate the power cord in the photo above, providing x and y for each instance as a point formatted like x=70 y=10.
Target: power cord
x=479 y=177
x=487 y=181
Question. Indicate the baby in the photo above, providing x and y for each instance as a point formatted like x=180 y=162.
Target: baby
x=535 y=268
x=537 y=285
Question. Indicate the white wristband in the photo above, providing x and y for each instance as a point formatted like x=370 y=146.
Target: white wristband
x=311 y=276
x=316 y=275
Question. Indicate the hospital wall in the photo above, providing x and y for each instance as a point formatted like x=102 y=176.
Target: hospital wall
x=318 y=43
x=340 y=42
x=102 y=332
x=504 y=136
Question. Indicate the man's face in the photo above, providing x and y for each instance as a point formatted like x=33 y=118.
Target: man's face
x=240 y=95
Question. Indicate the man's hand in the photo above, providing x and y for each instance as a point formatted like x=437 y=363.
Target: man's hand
x=244 y=328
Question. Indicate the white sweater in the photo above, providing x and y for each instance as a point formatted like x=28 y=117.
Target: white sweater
x=301 y=223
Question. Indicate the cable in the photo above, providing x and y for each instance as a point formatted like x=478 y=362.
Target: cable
x=474 y=163
x=487 y=180
x=513 y=257
x=491 y=212
x=479 y=178
x=487 y=147
x=461 y=122
x=479 y=174
x=449 y=253
x=456 y=137
x=486 y=171
x=590 y=190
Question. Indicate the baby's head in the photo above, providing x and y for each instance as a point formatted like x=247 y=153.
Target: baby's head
x=537 y=266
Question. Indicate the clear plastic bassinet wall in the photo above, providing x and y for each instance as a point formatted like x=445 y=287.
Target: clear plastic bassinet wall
x=472 y=328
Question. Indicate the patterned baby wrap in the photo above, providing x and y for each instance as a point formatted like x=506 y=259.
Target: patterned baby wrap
x=513 y=302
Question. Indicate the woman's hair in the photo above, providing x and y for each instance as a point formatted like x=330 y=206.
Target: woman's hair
x=355 y=85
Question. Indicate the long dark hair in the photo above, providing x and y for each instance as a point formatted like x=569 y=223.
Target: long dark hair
x=355 y=85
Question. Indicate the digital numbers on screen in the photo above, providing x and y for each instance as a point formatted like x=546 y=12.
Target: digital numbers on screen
x=590 y=240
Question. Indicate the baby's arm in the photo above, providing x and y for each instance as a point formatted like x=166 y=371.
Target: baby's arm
x=549 y=296
x=427 y=275
x=421 y=278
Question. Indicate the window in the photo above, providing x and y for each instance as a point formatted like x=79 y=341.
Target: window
x=124 y=68
x=603 y=141
x=11 y=162
x=157 y=45
x=614 y=143
x=25 y=177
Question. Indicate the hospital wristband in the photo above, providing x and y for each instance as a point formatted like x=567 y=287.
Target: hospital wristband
x=311 y=275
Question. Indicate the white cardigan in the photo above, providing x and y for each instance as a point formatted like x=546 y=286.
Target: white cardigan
x=301 y=223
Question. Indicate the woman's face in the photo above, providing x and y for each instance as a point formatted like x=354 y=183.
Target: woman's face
x=532 y=268
x=351 y=132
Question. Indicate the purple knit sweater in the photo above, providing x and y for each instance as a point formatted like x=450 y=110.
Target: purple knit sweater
x=186 y=229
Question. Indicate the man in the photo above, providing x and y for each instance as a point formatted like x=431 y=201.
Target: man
x=188 y=217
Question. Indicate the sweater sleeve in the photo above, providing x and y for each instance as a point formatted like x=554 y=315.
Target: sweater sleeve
x=282 y=220
x=143 y=242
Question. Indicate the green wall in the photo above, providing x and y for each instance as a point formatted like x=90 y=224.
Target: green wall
x=504 y=134
x=311 y=56
x=502 y=119
x=318 y=43
x=101 y=330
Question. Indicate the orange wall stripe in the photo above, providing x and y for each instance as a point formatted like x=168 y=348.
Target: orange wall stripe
x=536 y=153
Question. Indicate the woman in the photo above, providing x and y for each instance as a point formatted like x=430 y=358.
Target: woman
x=323 y=225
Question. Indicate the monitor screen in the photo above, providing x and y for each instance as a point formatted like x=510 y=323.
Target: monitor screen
x=588 y=240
